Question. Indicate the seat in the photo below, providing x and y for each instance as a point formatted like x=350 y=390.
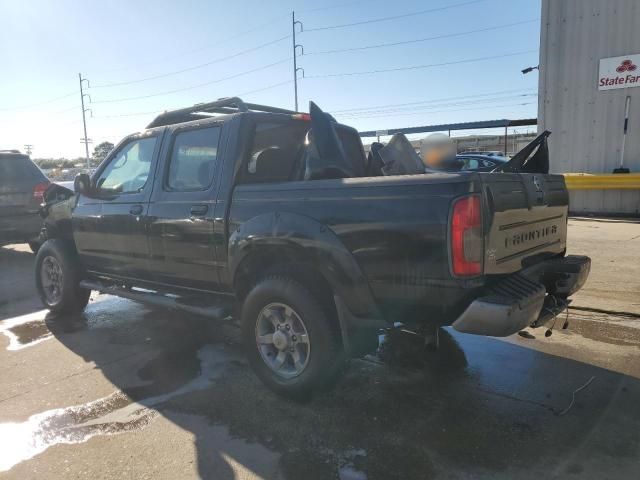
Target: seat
x=272 y=164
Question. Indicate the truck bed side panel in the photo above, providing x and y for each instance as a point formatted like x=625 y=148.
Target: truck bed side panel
x=395 y=227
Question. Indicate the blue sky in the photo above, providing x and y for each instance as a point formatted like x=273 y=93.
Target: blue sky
x=44 y=44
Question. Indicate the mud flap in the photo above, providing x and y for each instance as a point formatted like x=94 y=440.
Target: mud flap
x=359 y=335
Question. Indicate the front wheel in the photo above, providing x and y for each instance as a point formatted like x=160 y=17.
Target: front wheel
x=292 y=341
x=58 y=275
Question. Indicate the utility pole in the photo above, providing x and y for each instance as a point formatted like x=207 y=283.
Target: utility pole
x=295 y=61
x=28 y=148
x=85 y=140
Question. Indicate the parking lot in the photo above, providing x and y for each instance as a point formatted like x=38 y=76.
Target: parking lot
x=129 y=391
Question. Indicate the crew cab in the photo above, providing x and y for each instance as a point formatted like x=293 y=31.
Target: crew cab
x=279 y=219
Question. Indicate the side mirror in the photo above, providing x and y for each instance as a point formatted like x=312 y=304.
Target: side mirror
x=82 y=184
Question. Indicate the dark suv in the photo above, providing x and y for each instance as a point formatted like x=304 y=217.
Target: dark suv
x=22 y=186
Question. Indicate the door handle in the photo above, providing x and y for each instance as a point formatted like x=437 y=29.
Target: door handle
x=135 y=209
x=199 y=210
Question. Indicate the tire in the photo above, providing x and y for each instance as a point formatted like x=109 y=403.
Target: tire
x=320 y=355
x=34 y=246
x=58 y=275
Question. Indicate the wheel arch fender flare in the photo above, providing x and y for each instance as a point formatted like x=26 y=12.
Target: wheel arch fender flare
x=305 y=238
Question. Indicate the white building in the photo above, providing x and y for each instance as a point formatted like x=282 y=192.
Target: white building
x=589 y=70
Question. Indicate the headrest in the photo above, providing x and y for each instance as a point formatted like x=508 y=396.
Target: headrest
x=270 y=165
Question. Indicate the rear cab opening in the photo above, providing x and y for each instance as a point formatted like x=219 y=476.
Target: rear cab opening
x=520 y=252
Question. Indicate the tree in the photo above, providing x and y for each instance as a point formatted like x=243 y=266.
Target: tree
x=52 y=163
x=101 y=151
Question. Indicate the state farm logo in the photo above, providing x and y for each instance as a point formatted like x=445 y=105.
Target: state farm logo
x=619 y=72
x=626 y=66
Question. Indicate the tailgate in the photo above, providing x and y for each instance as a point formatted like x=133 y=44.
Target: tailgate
x=526 y=220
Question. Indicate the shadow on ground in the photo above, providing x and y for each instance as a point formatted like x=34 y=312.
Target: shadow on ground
x=479 y=407
x=17 y=284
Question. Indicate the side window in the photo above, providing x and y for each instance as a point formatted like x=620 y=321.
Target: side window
x=192 y=161
x=128 y=170
x=488 y=164
x=470 y=164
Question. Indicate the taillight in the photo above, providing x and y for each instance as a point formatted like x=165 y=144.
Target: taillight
x=38 y=191
x=466 y=237
x=301 y=116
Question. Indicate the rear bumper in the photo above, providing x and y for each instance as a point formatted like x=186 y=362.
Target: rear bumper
x=517 y=301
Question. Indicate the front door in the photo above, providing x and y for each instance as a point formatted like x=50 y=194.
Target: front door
x=181 y=212
x=110 y=227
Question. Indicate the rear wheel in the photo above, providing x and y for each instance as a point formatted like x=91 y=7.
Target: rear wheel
x=58 y=275
x=292 y=342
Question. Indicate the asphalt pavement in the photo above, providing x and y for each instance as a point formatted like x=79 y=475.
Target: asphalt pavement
x=129 y=391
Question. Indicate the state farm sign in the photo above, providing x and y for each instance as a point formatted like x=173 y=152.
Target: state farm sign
x=619 y=72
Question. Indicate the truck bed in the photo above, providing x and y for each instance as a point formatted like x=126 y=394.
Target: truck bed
x=397 y=229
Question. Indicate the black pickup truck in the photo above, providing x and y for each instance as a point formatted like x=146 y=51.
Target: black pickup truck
x=279 y=219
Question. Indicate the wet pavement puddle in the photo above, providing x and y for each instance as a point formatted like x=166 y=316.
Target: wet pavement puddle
x=26 y=330
x=36 y=327
x=116 y=413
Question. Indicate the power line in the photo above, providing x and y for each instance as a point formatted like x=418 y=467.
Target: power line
x=194 y=67
x=501 y=92
x=362 y=112
x=265 y=88
x=139 y=114
x=167 y=92
x=115 y=136
x=394 y=17
x=425 y=39
x=380 y=115
x=417 y=67
x=330 y=7
x=438 y=105
x=75 y=107
x=73 y=122
x=45 y=102
x=189 y=52
x=485 y=101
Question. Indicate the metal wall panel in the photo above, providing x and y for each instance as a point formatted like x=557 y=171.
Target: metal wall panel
x=587 y=124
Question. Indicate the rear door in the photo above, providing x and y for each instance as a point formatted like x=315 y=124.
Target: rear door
x=526 y=219
x=181 y=212
x=110 y=228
